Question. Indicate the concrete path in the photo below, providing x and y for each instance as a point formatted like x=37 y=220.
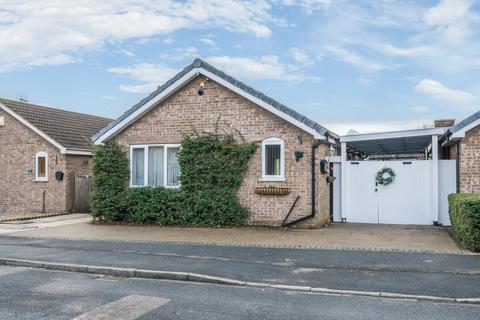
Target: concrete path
x=42 y=223
x=37 y=294
x=447 y=275
x=336 y=236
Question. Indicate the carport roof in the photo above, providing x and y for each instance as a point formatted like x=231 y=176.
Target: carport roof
x=395 y=142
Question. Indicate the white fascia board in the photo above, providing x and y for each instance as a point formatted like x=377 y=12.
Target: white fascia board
x=394 y=134
x=460 y=134
x=78 y=152
x=35 y=129
x=183 y=80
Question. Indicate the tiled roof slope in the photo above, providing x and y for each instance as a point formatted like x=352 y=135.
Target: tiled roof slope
x=465 y=122
x=72 y=130
x=198 y=63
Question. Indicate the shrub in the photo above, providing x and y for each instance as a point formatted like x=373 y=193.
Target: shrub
x=110 y=180
x=212 y=169
x=152 y=205
x=464 y=212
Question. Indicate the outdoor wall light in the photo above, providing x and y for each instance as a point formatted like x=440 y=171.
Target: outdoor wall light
x=298 y=155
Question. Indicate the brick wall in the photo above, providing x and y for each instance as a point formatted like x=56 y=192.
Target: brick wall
x=469 y=161
x=19 y=192
x=185 y=110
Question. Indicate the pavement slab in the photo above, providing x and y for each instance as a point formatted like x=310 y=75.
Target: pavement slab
x=349 y=236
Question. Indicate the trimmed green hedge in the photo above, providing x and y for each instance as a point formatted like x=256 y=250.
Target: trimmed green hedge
x=212 y=169
x=464 y=212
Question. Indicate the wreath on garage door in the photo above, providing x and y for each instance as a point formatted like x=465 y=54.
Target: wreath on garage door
x=385 y=176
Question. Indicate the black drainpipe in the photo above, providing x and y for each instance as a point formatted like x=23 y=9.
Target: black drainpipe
x=314 y=186
x=458 y=166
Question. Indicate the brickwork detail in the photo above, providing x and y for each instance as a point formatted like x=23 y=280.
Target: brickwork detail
x=185 y=109
x=469 y=161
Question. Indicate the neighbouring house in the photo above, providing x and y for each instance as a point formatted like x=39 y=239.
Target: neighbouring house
x=291 y=147
x=42 y=150
x=462 y=143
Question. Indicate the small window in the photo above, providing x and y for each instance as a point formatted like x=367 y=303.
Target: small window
x=154 y=166
x=41 y=166
x=273 y=159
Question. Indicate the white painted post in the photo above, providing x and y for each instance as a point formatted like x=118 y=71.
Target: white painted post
x=343 y=180
x=435 y=214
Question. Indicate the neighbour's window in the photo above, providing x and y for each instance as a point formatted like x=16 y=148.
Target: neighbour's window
x=273 y=159
x=41 y=166
x=154 y=165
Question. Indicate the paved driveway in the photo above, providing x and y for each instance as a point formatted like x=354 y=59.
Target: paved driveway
x=336 y=236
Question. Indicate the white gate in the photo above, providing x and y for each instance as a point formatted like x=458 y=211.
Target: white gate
x=447 y=184
x=408 y=200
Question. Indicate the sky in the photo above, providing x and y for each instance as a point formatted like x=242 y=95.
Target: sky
x=347 y=64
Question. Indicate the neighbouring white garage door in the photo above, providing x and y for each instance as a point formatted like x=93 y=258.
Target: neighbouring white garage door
x=408 y=200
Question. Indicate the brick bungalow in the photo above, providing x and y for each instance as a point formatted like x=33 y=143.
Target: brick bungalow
x=291 y=146
x=462 y=142
x=41 y=151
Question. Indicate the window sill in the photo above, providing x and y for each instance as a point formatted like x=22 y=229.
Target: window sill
x=41 y=180
x=167 y=187
x=273 y=179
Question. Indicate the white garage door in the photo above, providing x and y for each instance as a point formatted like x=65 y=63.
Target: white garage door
x=407 y=200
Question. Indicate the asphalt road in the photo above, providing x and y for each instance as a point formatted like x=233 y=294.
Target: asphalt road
x=40 y=294
x=409 y=273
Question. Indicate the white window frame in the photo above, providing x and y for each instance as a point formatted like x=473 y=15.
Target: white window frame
x=41 y=154
x=145 y=163
x=273 y=141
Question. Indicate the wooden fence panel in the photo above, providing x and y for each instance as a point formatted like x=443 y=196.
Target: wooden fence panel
x=83 y=185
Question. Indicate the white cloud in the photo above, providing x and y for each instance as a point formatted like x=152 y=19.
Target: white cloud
x=300 y=56
x=150 y=75
x=109 y=97
x=355 y=59
x=308 y=5
x=265 y=67
x=57 y=32
x=447 y=12
x=452 y=19
x=444 y=37
x=208 y=41
x=126 y=52
x=169 y=40
x=181 y=54
x=419 y=109
x=438 y=91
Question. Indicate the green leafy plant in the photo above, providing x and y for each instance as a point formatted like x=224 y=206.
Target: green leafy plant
x=212 y=169
x=464 y=212
x=110 y=180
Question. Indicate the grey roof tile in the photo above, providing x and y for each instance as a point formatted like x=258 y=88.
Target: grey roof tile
x=465 y=122
x=72 y=130
x=198 y=63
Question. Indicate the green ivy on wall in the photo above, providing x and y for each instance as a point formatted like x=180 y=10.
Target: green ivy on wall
x=212 y=169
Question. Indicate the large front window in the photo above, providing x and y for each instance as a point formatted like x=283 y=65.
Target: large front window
x=154 y=165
